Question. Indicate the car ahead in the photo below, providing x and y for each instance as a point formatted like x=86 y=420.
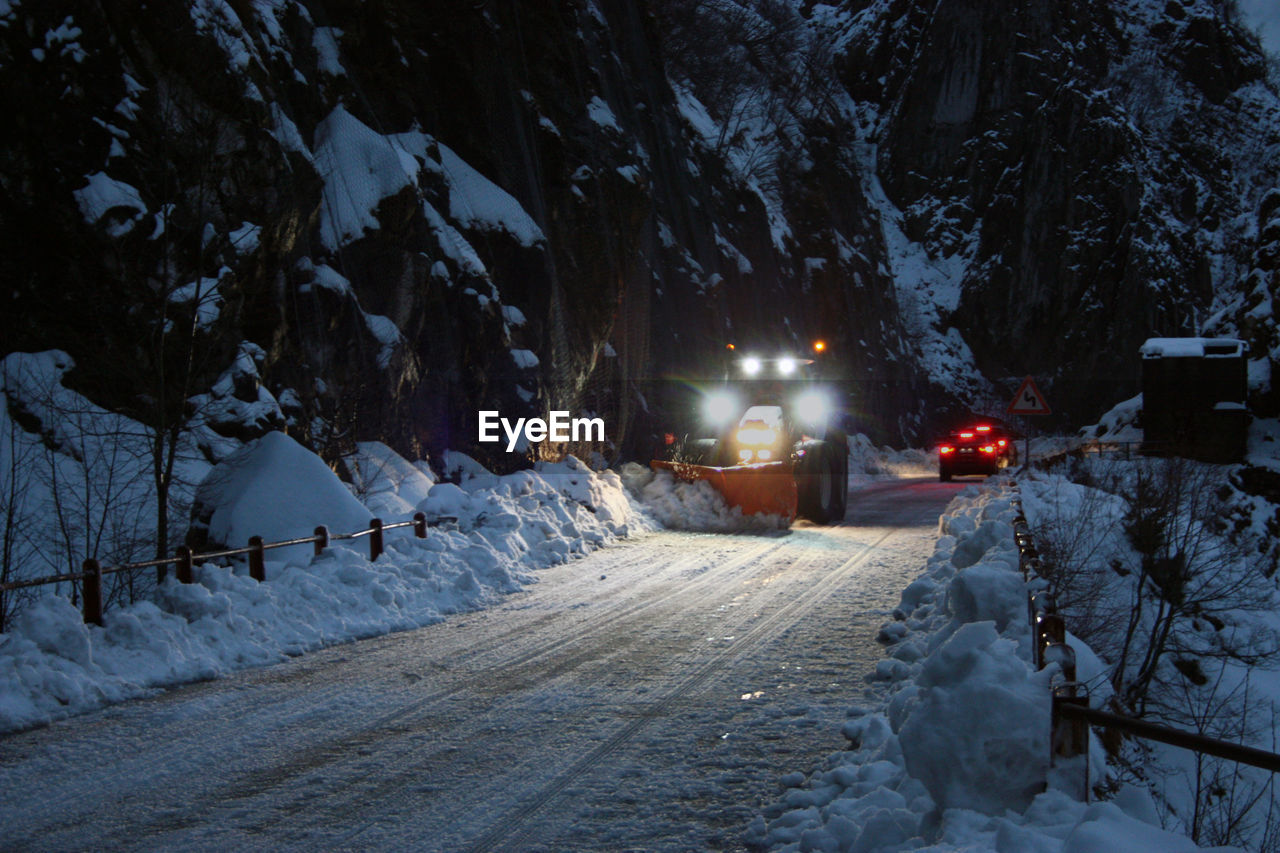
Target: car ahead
x=979 y=449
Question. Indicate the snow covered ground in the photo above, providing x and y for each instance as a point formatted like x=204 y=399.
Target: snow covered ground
x=503 y=530
x=948 y=746
x=53 y=665
x=951 y=753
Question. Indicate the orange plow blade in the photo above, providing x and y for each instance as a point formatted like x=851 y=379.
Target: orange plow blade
x=766 y=488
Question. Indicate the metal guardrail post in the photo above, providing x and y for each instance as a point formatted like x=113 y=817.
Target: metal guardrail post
x=322 y=539
x=182 y=569
x=1050 y=628
x=375 y=539
x=257 y=559
x=1069 y=735
x=1038 y=605
x=92 y=592
x=420 y=525
x=1065 y=657
x=1026 y=555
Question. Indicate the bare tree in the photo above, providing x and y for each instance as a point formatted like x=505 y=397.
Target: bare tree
x=1151 y=572
x=1186 y=572
x=16 y=474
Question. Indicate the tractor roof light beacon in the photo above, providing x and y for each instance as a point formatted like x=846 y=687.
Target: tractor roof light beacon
x=776 y=449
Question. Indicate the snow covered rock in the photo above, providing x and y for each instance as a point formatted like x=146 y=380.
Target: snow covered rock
x=274 y=488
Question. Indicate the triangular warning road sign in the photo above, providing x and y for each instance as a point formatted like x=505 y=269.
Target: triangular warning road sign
x=1028 y=400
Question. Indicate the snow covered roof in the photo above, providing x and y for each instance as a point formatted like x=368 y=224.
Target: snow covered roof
x=1193 y=348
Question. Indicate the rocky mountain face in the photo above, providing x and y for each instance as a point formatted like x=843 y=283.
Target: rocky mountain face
x=372 y=220
x=1097 y=166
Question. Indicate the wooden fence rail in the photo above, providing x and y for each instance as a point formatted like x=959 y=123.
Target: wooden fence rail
x=184 y=560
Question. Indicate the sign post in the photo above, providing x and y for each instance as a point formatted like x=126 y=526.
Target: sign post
x=1028 y=401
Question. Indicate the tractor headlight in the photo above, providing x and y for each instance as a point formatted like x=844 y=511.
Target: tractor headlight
x=786 y=366
x=751 y=366
x=812 y=407
x=719 y=408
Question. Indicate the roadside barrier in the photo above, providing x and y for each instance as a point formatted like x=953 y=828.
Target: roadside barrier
x=1071 y=715
x=184 y=560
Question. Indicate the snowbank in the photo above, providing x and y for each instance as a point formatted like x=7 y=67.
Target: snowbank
x=953 y=753
x=868 y=463
x=691 y=506
x=277 y=489
x=52 y=665
x=1215 y=670
x=698 y=506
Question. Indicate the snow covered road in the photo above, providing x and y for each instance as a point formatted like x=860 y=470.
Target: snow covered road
x=646 y=697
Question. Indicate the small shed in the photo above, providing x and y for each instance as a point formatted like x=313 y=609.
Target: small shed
x=1195 y=395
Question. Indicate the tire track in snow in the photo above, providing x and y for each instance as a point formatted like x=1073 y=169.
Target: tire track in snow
x=515 y=667
x=498 y=652
x=391 y=784
x=510 y=831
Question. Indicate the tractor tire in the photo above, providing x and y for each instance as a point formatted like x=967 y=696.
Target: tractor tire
x=944 y=474
x=822 y=483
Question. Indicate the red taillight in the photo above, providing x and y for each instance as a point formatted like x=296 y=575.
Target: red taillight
x=988 y=448
x=946 y=449
x=983 y=429
x=966 y=435
x=669 y=439
x=1002 y=442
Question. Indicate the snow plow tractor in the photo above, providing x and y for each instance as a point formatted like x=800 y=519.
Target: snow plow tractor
x=774 y=447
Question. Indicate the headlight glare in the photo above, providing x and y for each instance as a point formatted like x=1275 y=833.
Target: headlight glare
x=757 y=436
x=812 y=407
x=720 y=407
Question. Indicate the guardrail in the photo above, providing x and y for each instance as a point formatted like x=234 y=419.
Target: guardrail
x=184 y=560
x=1071 y=714
x=1101 y=447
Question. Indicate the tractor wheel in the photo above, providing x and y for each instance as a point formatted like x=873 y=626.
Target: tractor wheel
x=944 y=474
x=821 y=484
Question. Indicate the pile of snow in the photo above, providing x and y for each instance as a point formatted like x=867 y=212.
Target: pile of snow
x=385 y=482
x=869 y=463
x=953 y=753
x=1120 y=424
x=678 y=505
x=504 y=527
x=277 y=489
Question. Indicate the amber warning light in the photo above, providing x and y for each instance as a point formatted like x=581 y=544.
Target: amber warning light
x=819 y=346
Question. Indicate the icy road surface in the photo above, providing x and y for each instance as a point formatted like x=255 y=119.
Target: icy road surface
x=648 y=697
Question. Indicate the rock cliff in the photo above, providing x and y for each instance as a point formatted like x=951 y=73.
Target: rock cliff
x=370 y=220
